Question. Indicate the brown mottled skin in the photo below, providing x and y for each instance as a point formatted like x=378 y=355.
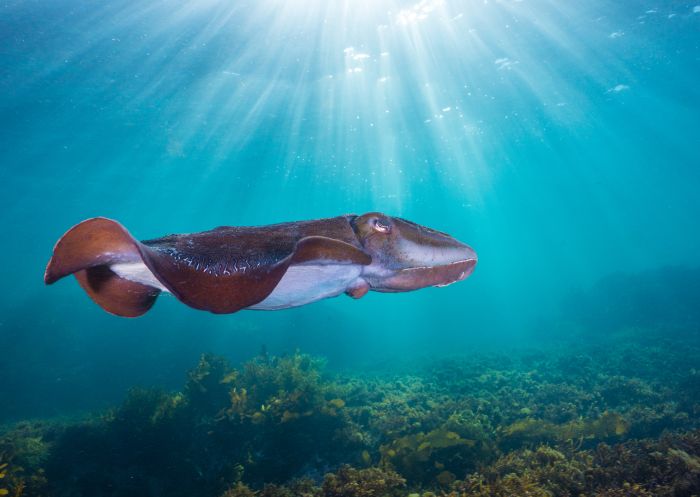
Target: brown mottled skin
x=231 y=268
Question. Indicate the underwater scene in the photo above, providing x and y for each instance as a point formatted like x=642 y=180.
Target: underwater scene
x=350 y=248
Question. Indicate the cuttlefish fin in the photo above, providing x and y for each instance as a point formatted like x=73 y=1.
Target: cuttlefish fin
x=226 y=288
x=218 y=290
x=115 y=294
x=324 y=250
x=221 y=271
x=87 y=250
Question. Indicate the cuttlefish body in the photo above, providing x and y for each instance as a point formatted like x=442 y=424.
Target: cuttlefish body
x=263 y=267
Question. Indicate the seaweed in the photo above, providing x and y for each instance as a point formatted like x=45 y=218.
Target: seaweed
x=24 y=449
x=581 y=422
x=542 y=472
x=270 y=421
x=370 y=482
x=347 y=481
x=609 y=425
x=436 y=456
x=4 y=471
x=208 y=384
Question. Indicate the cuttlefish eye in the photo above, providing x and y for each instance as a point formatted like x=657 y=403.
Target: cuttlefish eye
x=381 y=225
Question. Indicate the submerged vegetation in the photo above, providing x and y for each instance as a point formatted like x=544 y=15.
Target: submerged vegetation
x=613 y=419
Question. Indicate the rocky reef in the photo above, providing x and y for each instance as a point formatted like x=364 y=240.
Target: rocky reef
x=620 y=418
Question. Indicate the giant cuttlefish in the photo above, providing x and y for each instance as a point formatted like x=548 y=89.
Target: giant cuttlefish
x=257 y=267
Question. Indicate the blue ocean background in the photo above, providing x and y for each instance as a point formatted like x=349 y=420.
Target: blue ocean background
x=559 y=139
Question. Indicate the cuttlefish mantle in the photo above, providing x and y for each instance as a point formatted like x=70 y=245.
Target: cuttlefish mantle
x=257 y=267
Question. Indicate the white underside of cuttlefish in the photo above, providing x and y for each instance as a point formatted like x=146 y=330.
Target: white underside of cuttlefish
x=300 y=285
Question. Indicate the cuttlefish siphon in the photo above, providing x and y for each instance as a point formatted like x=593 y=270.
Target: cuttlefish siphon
x=257 y=267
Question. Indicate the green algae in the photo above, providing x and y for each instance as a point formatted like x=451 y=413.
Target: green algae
x=609 y=425
x=533 y=424
x=433 y=456
x=24 y=450
x=346 y=481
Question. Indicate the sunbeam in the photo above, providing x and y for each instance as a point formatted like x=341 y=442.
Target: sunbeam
x=351 y=87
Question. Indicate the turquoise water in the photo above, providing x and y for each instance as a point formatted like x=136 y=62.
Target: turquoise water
x=559 y=139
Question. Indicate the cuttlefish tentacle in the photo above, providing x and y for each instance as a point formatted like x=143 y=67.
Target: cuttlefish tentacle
x=267 y=267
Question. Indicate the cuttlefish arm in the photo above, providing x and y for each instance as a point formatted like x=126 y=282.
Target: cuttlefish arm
x=222 y=270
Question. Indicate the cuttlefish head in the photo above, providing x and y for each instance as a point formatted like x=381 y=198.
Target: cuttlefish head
x=407 y=256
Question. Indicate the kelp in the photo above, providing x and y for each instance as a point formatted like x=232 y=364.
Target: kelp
x=435 y=456
x=24 y=449
x=3 y=477
x=346 y=481
x=541 y=424
x=542 y=472
x=609 y=425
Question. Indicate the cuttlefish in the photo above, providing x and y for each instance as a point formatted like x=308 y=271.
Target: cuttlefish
x=257 y=267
